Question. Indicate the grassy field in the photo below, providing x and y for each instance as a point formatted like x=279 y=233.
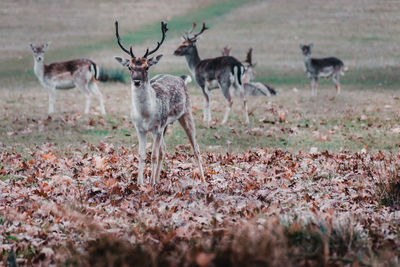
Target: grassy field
x=323 y=169
x=366 y=114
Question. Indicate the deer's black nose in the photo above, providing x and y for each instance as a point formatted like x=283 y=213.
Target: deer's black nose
x=136 y=82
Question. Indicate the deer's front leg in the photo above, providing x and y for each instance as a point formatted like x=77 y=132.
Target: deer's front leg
x=52 y=99
x=155 y=155
x=142 y=155
x=313 y=92
x=206 y=109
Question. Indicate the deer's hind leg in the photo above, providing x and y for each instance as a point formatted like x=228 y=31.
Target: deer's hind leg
x=240 y=89
x=244 y=100
x=142 y=155
x=94 y=89
x=225 y=88
x=155 y=155
x=188 y=125
x=161 y=153
x=83 y=86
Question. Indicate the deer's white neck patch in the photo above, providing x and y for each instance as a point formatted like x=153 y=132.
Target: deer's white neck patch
x=307 y=62
x=143 y=105
x=38 y=68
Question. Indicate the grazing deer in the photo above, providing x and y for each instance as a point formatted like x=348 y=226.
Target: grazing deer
x=220 y=72
x=156 y=103
x=322 y=67
x=186 y=78
x=251 y=88
x=80 y=73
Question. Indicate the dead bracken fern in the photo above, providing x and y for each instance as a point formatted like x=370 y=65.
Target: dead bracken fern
x=389 y=188
x=269 y=243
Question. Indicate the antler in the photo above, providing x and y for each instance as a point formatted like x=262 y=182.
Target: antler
x=164 y=29
x=192 y=29
x=248 y=57
x=129 y=52
x=186 y=34
x=194 y=38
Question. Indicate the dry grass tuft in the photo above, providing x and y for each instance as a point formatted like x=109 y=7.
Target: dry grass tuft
x=111 y=251
x=389 y=189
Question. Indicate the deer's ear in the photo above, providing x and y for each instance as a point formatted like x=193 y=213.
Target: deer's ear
x=301 y=46
x=31 y=46
x=124 y=62
x=46 y=45
x=154 y=60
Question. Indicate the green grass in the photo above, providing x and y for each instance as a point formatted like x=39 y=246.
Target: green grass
x=97 y=132
x=20 y=71
x=4 y=177
x=365 y=78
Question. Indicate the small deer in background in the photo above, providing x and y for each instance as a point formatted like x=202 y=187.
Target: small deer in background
x=251 y=88
x=220 y=72
x=330 y=67
x=156 y=103
x=226 y=51
x=80 y=73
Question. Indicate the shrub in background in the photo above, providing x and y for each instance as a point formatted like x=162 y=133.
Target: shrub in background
x=112 y=75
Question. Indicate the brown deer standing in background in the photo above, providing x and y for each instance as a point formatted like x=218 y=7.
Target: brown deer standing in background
x=251 y=88
x=156 y=103
x=80 y=73
x=226 y=51
x=220 y=72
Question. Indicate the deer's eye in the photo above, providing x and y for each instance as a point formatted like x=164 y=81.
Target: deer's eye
x=129 y=68
x=147 y=68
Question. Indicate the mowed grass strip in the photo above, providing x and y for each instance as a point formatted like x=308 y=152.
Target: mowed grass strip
x=20 y=71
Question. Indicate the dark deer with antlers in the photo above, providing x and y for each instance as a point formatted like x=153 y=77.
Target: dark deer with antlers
x=156 y=103
x=251 y=88
x=220 y=72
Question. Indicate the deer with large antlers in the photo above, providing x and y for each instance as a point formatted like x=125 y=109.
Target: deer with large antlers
x=80 y=73
x=156 y=103
x=220 y=72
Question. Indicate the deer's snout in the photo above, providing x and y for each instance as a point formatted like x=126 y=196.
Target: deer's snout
x=178 y=52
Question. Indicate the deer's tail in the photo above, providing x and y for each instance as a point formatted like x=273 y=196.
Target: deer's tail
x=186 y=78
x=95 y=69
x=238 y=72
